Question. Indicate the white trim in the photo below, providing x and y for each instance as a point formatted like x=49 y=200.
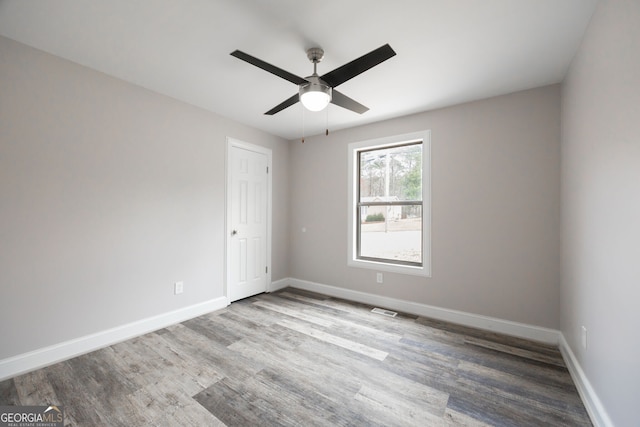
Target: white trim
x=279 y=284
x=425 y=137
x=516 y=329
x=46 y=356
x=232 y=142
x=40 y=358
x=595 y=408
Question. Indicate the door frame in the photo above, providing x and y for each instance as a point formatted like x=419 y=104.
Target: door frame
x=231 y=143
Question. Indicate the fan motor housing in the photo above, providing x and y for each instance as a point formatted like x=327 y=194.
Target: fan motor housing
x=315 y=54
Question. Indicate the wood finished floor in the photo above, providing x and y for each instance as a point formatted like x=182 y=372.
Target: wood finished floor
x=295 y=358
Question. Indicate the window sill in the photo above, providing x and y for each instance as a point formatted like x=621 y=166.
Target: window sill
x=393 y=268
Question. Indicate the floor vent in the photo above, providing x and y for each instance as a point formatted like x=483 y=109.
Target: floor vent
x=384 y=312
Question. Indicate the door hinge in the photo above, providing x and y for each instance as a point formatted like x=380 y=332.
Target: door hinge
x=266 y=269
x=267 y=169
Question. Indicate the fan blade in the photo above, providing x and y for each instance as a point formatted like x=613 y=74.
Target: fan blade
x=344 y=101
x=268 y=67
x=358 y=66
x=288 y=103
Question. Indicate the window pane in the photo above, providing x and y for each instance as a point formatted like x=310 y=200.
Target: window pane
x=391 y=233
x=391 y=174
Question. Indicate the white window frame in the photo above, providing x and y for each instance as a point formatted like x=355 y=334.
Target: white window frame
x=354 y=148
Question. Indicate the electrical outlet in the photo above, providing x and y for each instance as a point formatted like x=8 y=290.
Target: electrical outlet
x=584 y=337
x=178 y=288
x=379 y=277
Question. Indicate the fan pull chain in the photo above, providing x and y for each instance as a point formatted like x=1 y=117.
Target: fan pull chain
x=302 y=122
x=326 y=132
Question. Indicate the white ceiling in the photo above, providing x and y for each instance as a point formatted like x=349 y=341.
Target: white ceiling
x=448 y=51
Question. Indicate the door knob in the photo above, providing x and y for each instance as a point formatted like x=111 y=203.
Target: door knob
x=234 y=232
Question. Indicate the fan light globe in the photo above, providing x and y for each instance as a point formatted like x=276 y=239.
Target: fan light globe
x=315 y=101
x=315 y=96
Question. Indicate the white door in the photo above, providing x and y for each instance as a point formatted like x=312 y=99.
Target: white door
x=247 y=222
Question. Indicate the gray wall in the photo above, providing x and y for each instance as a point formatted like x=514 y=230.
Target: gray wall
x=495 y=209
x=601 y=207
x=109 y=194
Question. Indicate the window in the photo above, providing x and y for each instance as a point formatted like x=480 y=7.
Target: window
x=389 y=204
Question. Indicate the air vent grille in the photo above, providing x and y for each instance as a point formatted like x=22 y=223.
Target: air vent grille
x=384 y=312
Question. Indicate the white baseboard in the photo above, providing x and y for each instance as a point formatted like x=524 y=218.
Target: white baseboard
x=597 y=412
x=42 y=357
x=593 y=405
x=46 y=356
x=278 y=284
x=521 y=330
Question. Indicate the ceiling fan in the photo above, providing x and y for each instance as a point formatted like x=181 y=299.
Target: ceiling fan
x=315 y=92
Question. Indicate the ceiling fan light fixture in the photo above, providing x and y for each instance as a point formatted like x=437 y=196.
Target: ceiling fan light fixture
x=315 y=95
x=316 y=92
